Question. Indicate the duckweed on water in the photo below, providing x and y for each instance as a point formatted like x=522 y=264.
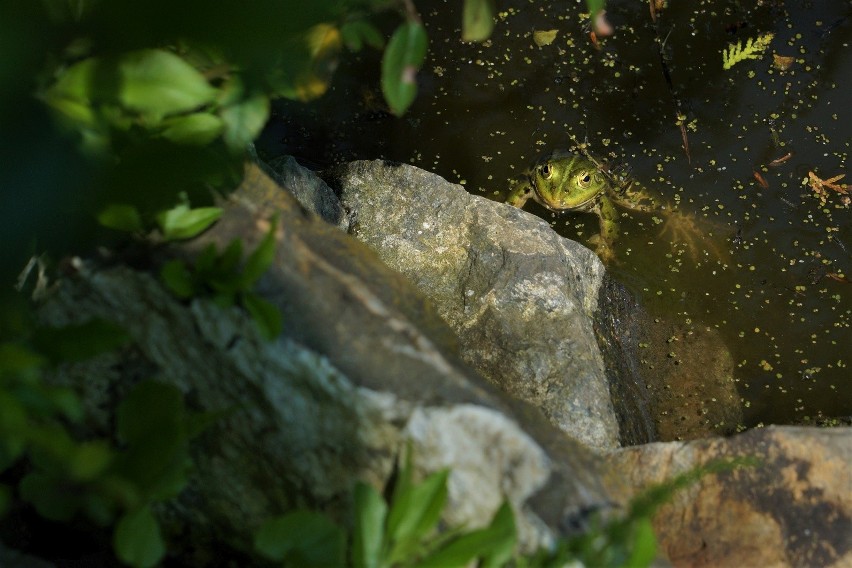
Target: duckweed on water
x=776 y=256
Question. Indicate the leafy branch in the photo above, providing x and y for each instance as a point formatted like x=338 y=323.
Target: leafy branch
x=221 y=277
x=62 y=476
x=401 y=533
x=751 y=50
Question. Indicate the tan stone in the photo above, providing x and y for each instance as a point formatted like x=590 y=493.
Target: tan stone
x=792 y=508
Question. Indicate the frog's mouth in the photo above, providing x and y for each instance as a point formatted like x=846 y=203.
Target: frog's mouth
x=586 y=205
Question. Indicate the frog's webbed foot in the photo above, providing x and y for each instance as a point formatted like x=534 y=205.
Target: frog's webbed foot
x=696 y=235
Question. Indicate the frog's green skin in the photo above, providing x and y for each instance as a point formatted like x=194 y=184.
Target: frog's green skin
x=571 y=182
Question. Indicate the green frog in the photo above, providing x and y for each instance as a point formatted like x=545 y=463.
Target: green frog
x=564 y=181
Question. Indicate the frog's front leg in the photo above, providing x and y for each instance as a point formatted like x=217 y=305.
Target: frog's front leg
x=522 y=191
x=609 y=229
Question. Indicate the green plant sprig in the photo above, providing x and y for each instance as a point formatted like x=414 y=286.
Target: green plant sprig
x=111 y=485
x=402 y=533
x=223 y=278
x=753 y=49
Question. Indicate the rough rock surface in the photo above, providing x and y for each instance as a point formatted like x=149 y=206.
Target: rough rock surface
x=362 y=366
x=692 y=390
x=670 y=381
x=309 y=190
x=678 y=387
x=792 y=508
x=520 y=297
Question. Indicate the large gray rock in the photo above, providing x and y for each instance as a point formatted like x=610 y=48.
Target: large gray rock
x=309 y=190
x=520 y=297
x=363 y=367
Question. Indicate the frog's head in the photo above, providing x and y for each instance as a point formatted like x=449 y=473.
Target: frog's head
x=567 y=182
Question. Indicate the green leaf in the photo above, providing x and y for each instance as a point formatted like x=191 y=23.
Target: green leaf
x=16 y=359
x=226 y=285
x=121 y=217
x=358 y=32
x=415 y=513
x=155 y=466
x=403 y=57
x=594 y=7
x=79 y=342
x=198 y=422
x=229 y=259
x=199 y=128
x=152 y=421
x=206 y=261
x=114 y=491
x=477 y=20
x=5 y=499
x=89 y=460
x=261 y=258
x=302 y=538
x=178 y=278
x=12 y=447
x=181 y=222
x=65 y=400
x=171 y=480
x=154 y=83
x=368 y=533
x=148 y=407
x=137 y=540
x=49 y=496
x=100 y=508
x=51 y=447
x=77 y=82
x=14 y=425
x=76 y=111
x=265 y=314
x=244 y=121
x=160 y=83
x=753 y=49
x=504 y=536
x=494 y=544
x=644 y=548
x=401 y=490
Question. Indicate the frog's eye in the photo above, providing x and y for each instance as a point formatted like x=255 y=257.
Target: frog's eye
x=584 y=179
x=546 y=171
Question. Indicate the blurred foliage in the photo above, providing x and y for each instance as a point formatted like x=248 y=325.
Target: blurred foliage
x=113 y=111
x=227 y=282
x=405 y=531
x=109 y=480
x=126 y=104
x=401 y=533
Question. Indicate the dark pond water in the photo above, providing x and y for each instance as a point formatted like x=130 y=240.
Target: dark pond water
x=772 y=269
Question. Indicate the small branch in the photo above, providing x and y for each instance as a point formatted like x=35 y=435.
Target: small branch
x=411 y=11
x=681 y=117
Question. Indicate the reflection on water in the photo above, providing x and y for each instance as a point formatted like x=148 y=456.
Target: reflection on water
x=773 y=273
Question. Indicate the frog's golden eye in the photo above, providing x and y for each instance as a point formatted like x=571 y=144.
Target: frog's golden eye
x=546 y=171
x=584 y=179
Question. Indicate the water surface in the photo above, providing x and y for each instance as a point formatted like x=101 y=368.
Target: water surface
x=772 y=270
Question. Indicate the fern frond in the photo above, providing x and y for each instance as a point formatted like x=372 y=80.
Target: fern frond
x=752 y=50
